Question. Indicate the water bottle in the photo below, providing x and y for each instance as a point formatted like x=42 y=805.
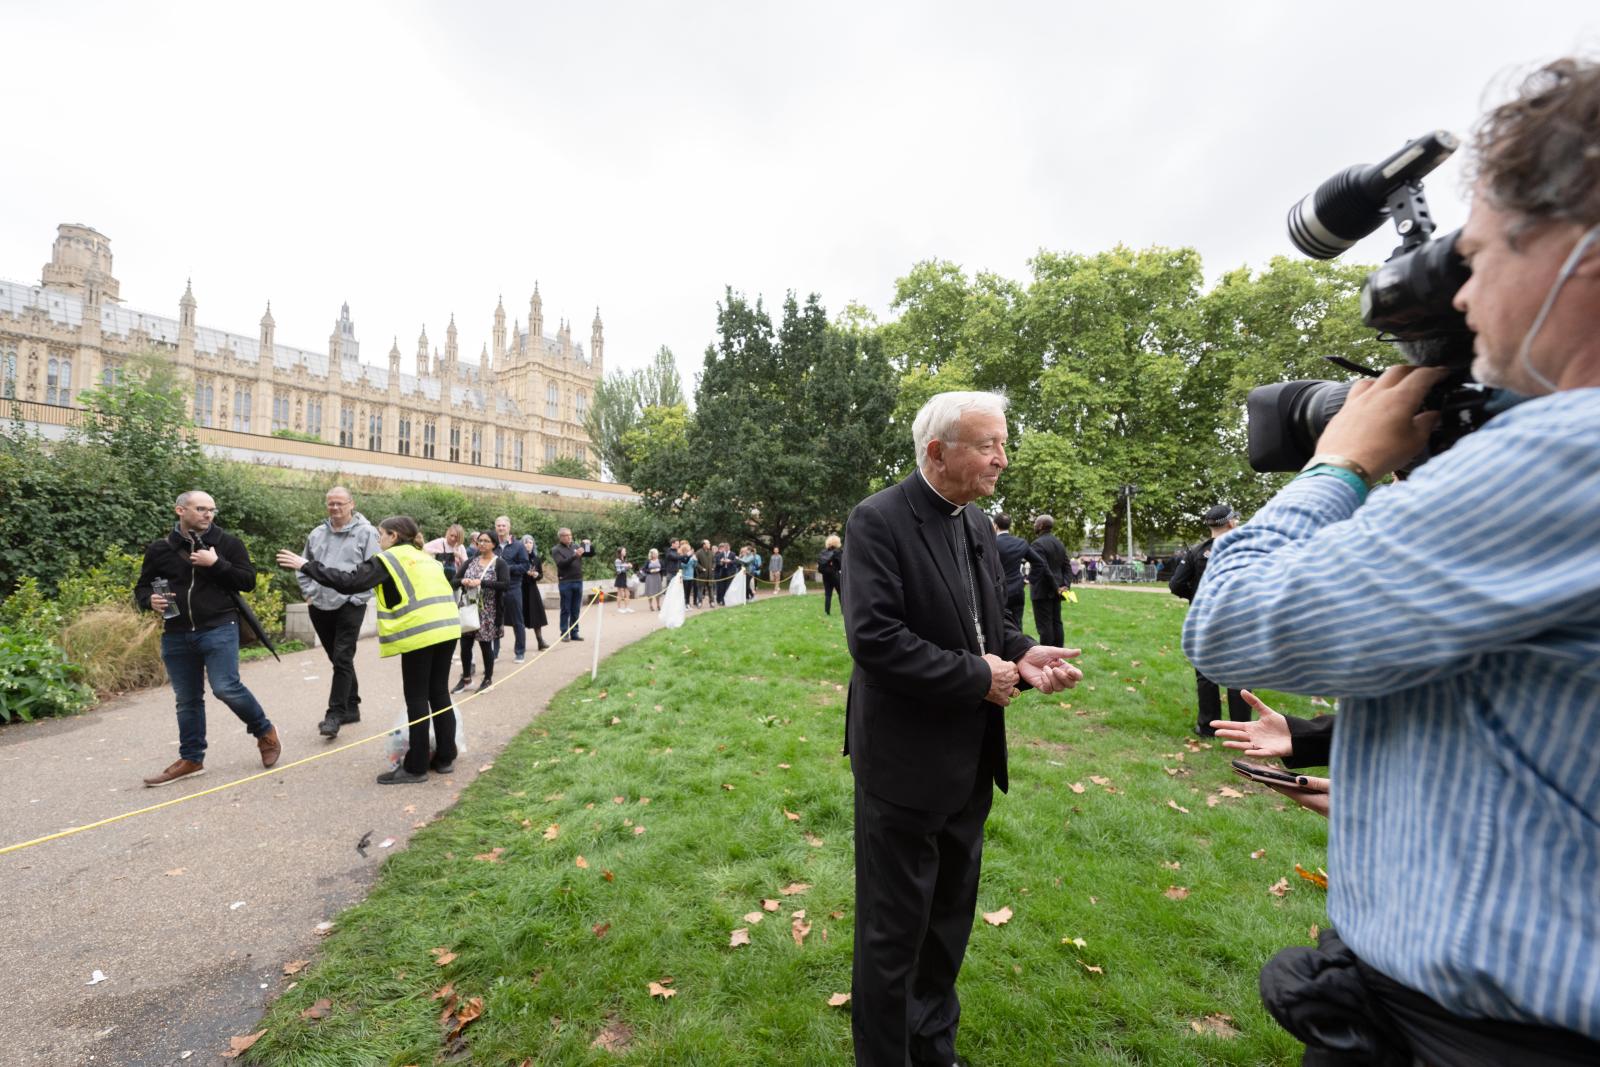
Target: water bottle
x=160 y=587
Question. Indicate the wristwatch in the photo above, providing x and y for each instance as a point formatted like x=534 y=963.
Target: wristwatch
x=1328 y=459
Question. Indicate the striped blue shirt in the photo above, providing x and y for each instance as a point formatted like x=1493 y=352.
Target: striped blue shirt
x=1458 y=615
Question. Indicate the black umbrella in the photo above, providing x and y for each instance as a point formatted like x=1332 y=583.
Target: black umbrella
x=254 y=623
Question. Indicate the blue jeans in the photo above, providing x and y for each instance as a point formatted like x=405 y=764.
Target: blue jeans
x=571 y=607
x=193 y=657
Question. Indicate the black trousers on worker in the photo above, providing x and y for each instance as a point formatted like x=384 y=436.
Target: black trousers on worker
x=1210 y=703
x=339 y=629
x=425 y=678
x=1014 y=609
x=916 y=892
x=1047 y=617
x=830 y=586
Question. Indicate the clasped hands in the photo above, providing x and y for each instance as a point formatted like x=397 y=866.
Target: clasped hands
x=1044 y=667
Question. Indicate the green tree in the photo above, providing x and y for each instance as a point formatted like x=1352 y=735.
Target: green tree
x=788 y=423
x=567 y=467
x=620 y=401
x=663 y=468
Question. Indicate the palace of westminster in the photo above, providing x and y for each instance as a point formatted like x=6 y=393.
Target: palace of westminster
x=517 y=407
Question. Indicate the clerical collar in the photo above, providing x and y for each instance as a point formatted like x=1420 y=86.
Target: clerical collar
x=955 y=509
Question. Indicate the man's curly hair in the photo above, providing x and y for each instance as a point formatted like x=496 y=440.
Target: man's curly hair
x=1538 y=154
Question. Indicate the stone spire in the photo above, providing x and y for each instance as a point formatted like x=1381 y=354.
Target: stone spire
x=451 y=350
x=536 y=318
x=597 y=338
x=186 y=306
x=394 y=356
x=422 y=353
x=500 y=332
x=483 y=366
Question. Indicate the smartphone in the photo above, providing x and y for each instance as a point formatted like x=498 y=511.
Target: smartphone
x=1267 y=775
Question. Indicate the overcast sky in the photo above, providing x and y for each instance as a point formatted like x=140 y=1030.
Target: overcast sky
x=421 y=159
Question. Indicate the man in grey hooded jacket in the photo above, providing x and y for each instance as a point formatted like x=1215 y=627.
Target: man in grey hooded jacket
x=343 y=542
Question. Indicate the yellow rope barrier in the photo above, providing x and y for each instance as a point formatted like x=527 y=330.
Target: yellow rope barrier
x=324 y=754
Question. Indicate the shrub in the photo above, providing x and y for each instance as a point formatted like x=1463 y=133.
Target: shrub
x=27 y=610
x=117 y=647
x=36 y=680
x=266 y=600
x=108 y=582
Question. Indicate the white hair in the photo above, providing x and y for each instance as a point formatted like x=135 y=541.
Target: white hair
x=940 y=417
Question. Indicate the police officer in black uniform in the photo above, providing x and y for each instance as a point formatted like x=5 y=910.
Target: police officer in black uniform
x=1185 y=580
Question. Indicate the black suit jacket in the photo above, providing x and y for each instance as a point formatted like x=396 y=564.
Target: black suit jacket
x=917 y=727
x=1013 y=550
x=1056 y=574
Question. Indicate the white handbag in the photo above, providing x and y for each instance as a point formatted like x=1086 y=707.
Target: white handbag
x=469 y=613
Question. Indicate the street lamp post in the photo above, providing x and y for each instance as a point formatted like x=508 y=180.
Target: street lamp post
x=1127 y=499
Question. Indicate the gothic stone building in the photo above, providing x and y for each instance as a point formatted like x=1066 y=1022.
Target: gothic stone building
x=515 y=408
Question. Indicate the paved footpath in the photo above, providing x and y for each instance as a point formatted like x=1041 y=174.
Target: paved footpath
x=191 y=912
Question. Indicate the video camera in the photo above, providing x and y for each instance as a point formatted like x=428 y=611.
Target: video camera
x=1407 y=300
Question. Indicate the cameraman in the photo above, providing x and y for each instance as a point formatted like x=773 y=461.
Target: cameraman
x=1464 y=844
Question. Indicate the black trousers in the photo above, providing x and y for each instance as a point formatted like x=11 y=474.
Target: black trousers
x=511 y=608
x=339 y=629
x=1047 y=617
x=425 y=677
x=1014 y=609
x=830 y=586
x=467 y=641
x=1211 y=703
x=916 y=892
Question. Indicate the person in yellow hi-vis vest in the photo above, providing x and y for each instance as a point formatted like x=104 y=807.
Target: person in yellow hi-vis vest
x=418 y=621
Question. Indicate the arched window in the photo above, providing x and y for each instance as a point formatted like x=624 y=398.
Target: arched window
x=58 y=382
x=552 y=401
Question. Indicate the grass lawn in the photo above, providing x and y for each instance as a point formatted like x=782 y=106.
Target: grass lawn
x=627 y=835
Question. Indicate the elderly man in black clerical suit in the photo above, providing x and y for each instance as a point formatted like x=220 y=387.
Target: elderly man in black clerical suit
x=936 y=661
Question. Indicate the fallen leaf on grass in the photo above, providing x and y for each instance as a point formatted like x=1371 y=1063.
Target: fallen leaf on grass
x=1231 y=793
x=728 y=787
x=783 y=766
x=1099 y=779
x=615 y=721
x=442 y=956
x=998 y=918
x=1177 y=892
x=792 y=888
x=238 y=1045
x=1171 y=865
x=295 y=966
x=492 y=856
x=1314 y=931
x=813 y=840
x=552 y=832
x=1175 y=806
x=320 y=1010
x=486 y=768
x=754 y=916
x=637 y=830
x=445 y=992
x=798 y=930
x=741 y=936
x=581 y=863
x=1076 y=787
x=659 y=989
x=1215 y=1025
x=600 y=929
x=466 y=1012
x=1077 y=941
x=838 y=1000
x=1091 y=968
x=792 y=816
x=1213 y=800
x=1259 y=853
x=835 y=914
x=1318 y=878
x=1280 y=888
x=616 y=1037
x=608 y=875
x=769 y=905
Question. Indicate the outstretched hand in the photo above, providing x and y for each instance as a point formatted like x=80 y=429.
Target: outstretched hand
x=1266 y=736
x=1045 y=667
x=292 y=560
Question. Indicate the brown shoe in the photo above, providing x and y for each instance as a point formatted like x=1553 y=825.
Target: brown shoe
x=184 y=768
x=268 y=744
